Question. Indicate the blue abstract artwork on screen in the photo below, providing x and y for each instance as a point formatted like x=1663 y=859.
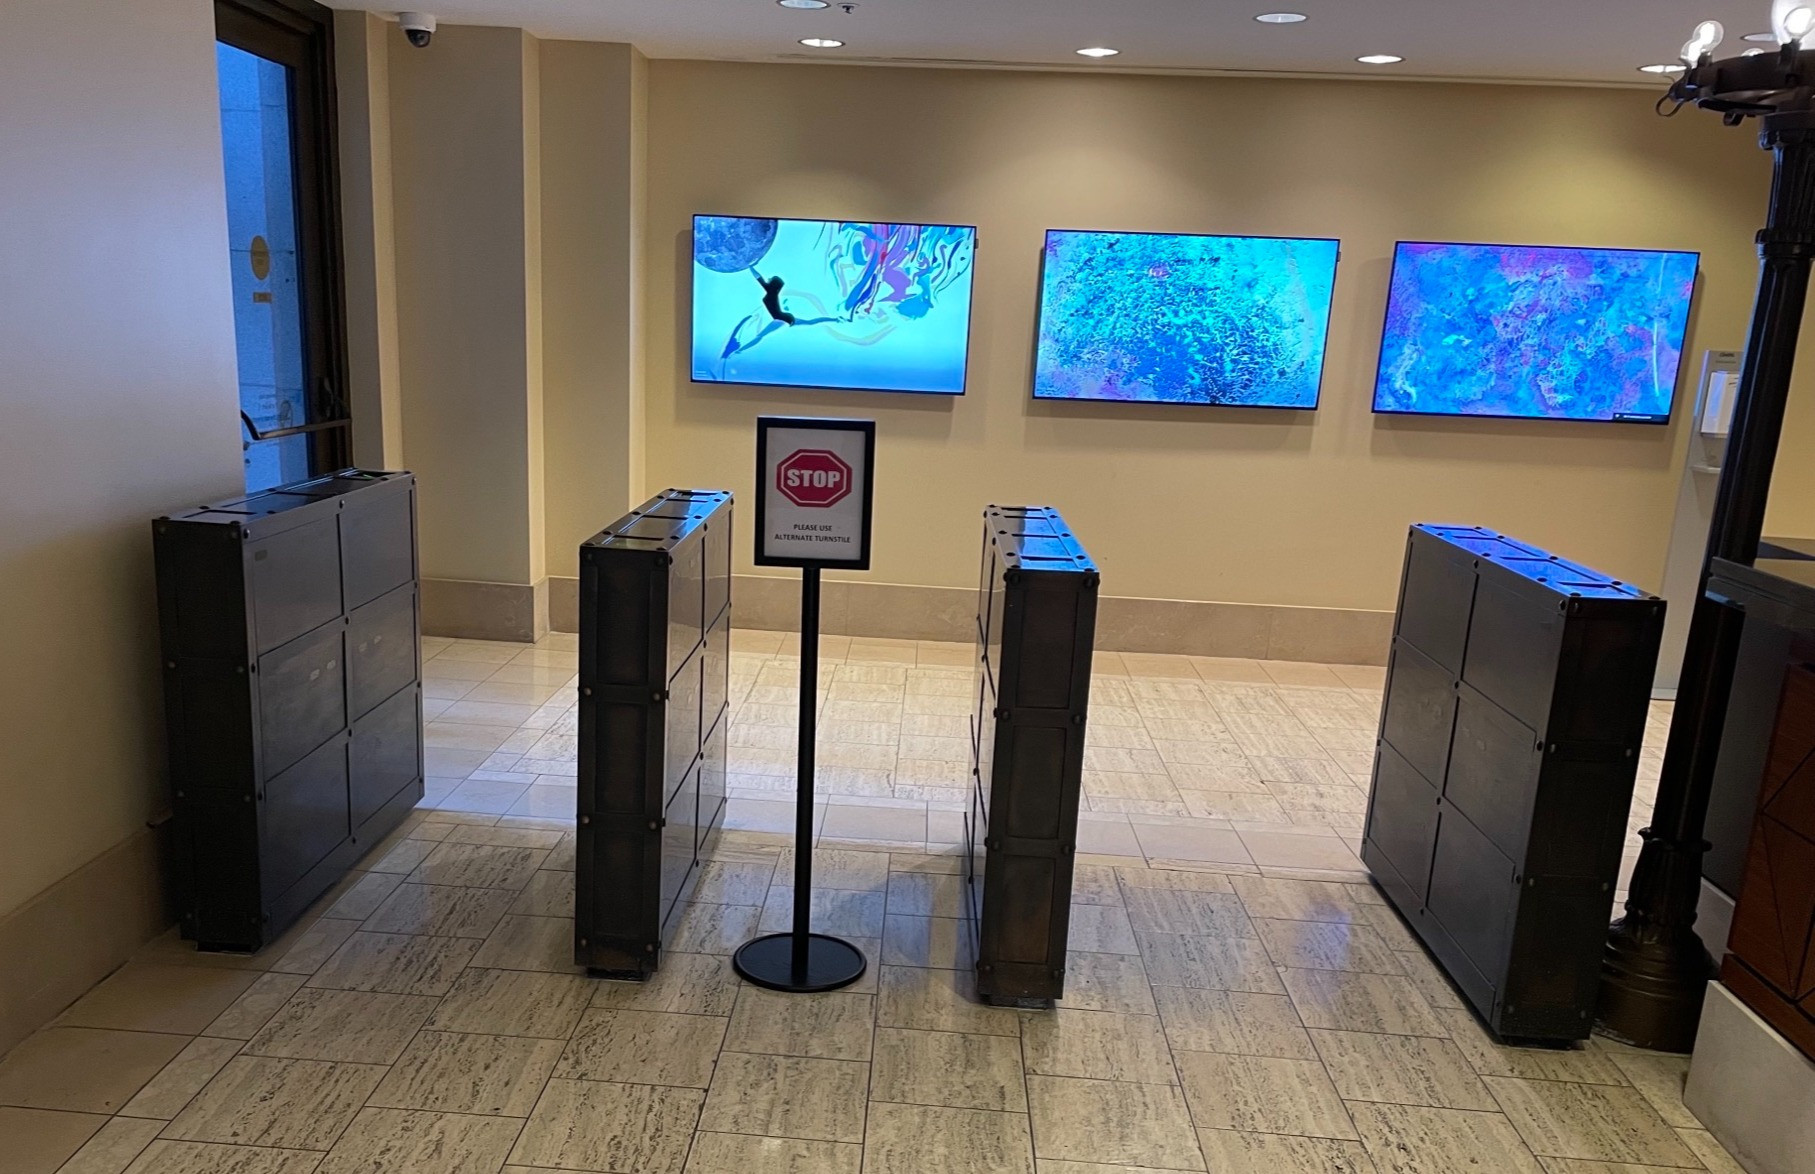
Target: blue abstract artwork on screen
x=1163 y=318
x=1523 y=331
x=829 y=303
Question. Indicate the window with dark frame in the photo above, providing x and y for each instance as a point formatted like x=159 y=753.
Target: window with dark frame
x=275 y=60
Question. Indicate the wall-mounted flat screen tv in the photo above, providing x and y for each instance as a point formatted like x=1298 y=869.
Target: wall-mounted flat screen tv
x=1145 y=317
x=1531 y=332
x=832 y=303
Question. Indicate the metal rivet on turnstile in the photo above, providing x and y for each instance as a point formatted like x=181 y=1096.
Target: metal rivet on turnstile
x=585 y=819
x=584 y=942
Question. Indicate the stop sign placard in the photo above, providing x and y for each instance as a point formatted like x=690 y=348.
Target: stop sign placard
x=815 y=492
x=813 y=478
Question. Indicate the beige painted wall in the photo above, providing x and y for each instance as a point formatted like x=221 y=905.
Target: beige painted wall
x=117 y=403
x=368 y=240
x=465 y=155
x=592 y=209
x=1188 y=503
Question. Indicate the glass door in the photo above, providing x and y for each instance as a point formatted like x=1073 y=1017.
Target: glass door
x=277 y=140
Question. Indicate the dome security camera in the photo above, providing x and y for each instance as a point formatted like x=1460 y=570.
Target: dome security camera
x=419 y=27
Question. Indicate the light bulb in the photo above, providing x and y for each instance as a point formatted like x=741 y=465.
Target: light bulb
x=1791 y=20
x=1708 y=36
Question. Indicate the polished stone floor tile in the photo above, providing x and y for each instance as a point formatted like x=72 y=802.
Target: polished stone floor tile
x=174 y=1087
x=513 y=1002
x=835 y=1026
x=367 y=894
x=1401 y=1070
x=939 y=943
x=1340 y=1000
x=1112 y=1121
x=357 y=1027
x=487 y=1075
x=1579 y=1065
x=1230 y=1151
x=194 y=1157
x=726 y=1153
x=1593 y=1121
x=1102 y=929
x=315 y=945
x=1660 y=1079
x=252 y=1010
x=1107 y=982
x=1095 y=884
x=787 y=1096
x=1406 y=1140
x=530 y=943
x=396 y=1141
x=38 y=1141
x=395 y=964
x=834 y=911
x=1705 y=1147
x=948 y=1069
x=644 y=1047
x=733 y=882
x=1177 y=911
x=479 y=866
x=113 y=1147
x=926 y=894
x=915 y=1139
x=714 y=929
x=938 y=1000
x=1226 y=964
x=1233 y=1022
x=590 y=1125
x=83 y=1069
x=1188 y=880
x=445 y=910
x=1327 y=945
x=287 y=1104
x=176 y=1000
x=1263 y=1094
x=694 y=984
x=1098 y=1044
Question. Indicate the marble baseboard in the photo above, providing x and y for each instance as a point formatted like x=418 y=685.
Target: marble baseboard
x=1751 y=1088
x=894 y=611
x=62 y=942
x=485 y=611
x=886 y=610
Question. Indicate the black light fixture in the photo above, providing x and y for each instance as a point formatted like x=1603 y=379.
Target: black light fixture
x=1655 y=971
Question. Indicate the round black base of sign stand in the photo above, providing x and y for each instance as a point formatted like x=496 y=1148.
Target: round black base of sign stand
x=768 y=962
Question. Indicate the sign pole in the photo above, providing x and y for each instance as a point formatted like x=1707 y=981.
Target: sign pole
x=803 y=790
x=813 y=510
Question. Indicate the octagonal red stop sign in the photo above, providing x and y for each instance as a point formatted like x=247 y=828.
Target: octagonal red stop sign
x=813 y=477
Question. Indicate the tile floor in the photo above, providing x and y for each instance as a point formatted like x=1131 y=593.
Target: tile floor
x=1239 y=999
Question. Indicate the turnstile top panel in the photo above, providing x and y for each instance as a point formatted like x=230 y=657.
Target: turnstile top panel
x=1538 y=568
x=1036 y=538
x=661 y=523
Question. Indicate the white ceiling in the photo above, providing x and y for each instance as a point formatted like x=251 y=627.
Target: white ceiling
x=1527 y=40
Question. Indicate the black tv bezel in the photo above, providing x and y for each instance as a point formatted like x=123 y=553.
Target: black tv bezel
x=692 y=323
x=1386 y=316
x=1033 y=374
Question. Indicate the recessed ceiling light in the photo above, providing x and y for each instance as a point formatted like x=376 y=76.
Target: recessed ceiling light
x=1282 y=18
x=1098 y=51
x=1762 y=38
x=1661 y=68
x=821 y=43
x=804 y=3
x=1380 y=59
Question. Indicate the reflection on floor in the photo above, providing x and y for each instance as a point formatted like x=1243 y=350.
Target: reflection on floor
x=1239 y=999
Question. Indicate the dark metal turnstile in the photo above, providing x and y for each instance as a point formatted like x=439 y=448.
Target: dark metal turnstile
x=1515 y=707
x=1036 y=622
x=655 y=654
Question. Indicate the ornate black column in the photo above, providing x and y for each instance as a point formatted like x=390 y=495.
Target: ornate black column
x=1656 y=968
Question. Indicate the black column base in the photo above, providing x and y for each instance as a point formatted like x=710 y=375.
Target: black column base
x=1655 y=969
x=768 y=962
x=1652 y=987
